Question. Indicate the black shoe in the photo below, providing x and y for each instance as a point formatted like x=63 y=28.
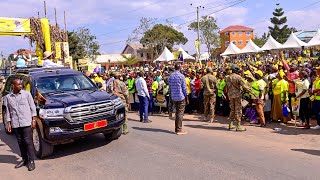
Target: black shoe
x=31 y=166
x=21 y=164
x=148 y=121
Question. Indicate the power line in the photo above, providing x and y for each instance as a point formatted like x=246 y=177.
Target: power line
x=241 y=1
x=173 y=17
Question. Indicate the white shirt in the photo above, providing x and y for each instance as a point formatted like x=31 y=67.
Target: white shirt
x=48 y=64
x=302 y=85
x=141 y=87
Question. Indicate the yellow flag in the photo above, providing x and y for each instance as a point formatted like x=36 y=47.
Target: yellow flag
x=46 y=33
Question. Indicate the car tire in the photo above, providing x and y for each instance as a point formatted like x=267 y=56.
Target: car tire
x=4 y=124
x=41 y=147
x=114 y=134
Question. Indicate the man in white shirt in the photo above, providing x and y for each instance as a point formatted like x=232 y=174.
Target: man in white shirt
x=47 y=63
x=143 y=94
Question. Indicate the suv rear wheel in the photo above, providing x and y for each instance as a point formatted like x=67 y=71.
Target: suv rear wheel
x=41 y=147
x=114 y=134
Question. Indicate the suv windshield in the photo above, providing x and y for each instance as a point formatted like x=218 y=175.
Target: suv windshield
x=62 y=83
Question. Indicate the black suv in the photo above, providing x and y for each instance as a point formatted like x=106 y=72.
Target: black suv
x=69 y=106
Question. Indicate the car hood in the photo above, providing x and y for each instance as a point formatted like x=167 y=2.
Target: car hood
x=63 y=100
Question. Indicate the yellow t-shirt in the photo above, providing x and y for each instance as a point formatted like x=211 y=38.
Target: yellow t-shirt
x=188 y=85
x=98 y=80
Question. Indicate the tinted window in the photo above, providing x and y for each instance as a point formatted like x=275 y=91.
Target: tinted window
x=59 y=83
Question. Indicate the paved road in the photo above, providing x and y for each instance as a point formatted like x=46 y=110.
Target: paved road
x=152 y=151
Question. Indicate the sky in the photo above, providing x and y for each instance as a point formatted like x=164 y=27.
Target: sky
x=112 y=21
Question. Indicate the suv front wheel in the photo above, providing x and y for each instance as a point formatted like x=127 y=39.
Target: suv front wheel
x=41 y=147
x=113 y=135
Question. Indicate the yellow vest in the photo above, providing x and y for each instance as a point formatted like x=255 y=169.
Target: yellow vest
x=316 y=85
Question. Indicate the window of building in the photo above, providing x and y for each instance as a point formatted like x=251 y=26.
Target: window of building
x=233 y=34
x=226 y=34
x=240 y=33
x=247 y=41
x=148 y=56
x=141 y=54
x=234 y=42
x=240 y=42
x=227 y=43
x=248 y=33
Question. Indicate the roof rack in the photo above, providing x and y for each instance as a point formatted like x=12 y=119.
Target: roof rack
x=35 y=69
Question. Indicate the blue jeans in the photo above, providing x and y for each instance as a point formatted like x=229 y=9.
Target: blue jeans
x=151 y=103
x=143 y=108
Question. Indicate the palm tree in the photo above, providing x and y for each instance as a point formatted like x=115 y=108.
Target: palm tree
x=130 y=60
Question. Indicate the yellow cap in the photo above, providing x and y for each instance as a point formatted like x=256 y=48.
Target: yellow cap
x=260 y=73
x=281 y=74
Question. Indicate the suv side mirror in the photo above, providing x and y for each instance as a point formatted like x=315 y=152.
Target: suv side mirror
x=99 y=85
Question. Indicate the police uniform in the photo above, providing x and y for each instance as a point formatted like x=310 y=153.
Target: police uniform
x=234 y=82
x=209 y=84
x=120 y=89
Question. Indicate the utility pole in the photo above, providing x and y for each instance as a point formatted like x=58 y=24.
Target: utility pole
x=198 y=32
x=45 y=8
x=55 y=16
x=65 y=26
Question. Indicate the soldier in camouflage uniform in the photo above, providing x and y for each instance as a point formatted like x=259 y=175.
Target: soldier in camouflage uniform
x=120 y=89
x=209 y=85
x=234 y=82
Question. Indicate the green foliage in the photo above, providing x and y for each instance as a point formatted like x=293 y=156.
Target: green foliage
x=209 y=31
x=82 y=44
x=280 y=30
x=130 y=60
x=260 y=41
x=161 y=36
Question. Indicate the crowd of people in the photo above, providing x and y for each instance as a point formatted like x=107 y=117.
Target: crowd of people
x=259 y=89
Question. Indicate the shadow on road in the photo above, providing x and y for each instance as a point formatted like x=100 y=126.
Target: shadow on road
x=153 y=130
x=8 y=159
x=207 y=127
x=85 y=144
x=308 y=151
x=9 y=140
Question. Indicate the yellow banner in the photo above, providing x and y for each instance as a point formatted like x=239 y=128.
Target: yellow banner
x=46 y=33
x=58 y=50
x=14 y=26
x=66 y=50
x=39 y=54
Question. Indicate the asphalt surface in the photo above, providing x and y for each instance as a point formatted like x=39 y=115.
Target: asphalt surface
x=153 y=151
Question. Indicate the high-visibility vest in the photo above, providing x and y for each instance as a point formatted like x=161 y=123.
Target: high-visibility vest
x=283 y=84
x=222 y=84
x=131 y=85
x=255 y=87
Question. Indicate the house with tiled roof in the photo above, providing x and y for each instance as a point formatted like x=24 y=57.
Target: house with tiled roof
x=238 y=35
x=138 y=50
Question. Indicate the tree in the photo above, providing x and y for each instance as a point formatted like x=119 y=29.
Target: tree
x=82 y=44
x=161 y=36
x=130 y=60
x=280 y=30
x=145 y=25
x=209 y=32
x=260 y=41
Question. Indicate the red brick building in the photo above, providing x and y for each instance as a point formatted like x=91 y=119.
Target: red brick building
x=238 y=35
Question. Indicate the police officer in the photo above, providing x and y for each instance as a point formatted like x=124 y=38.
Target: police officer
x=234 y=82
x=120 y=89
x=209 y=85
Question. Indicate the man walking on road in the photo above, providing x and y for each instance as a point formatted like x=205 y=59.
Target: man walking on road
x=144 y=97
x=233 y=89
x=209 y=84
x=179 y=96
x=20 y=117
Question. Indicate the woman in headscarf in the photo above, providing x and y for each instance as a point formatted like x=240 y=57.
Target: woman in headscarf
x=280 y=98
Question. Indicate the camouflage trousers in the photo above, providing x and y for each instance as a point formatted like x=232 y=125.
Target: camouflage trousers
x=236 y=109
x=125 y=128
x=209 y=105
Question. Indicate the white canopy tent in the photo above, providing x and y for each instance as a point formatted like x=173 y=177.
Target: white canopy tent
x=251 y=47
x=315 y=41
x=185 y=55
x=232 y=49
x=165 y=56
x=293 y=42
x=271 y=44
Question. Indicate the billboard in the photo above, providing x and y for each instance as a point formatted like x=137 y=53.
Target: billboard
x=14 y=26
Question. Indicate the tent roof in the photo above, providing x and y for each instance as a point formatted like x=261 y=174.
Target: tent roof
x=232 y=49
x=251 y=47
x=293 y=42
x=111 y=58
x=271 y=44
x=186 y=55
x=165 y=56
x=315 y=41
